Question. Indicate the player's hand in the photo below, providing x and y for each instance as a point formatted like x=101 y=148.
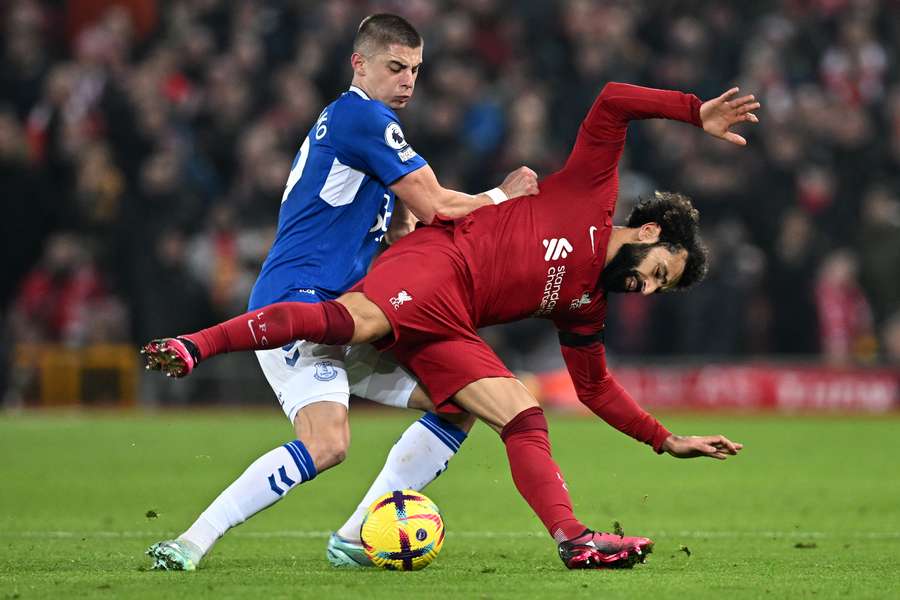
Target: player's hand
x=720 y=114
x=399 y=229
x=403 y=222
x=692 y=446
x=521 y=182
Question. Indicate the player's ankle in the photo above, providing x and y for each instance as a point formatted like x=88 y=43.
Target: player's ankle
x=192 y=348
x=584 y=535
x=195 y=551
x=349 y=539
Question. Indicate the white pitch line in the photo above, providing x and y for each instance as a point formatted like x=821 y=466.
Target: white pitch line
x=303 y=534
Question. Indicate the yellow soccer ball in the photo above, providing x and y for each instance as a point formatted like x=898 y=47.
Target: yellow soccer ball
x=403 y=531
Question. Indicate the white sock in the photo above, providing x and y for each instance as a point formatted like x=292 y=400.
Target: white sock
x=431 y=442
x=264 y=483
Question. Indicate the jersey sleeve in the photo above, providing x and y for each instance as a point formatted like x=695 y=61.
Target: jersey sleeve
x=585 y=357
x=601 y=137
x=370 y=139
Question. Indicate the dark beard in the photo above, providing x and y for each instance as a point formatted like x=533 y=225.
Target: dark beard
x=623 y=266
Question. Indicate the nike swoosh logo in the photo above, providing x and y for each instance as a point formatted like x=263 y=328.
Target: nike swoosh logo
x=253 y=333
x=591 y=231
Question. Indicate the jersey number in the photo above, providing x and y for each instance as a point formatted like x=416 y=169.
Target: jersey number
x=297 y=169
x=382 y=221
x=300 y=162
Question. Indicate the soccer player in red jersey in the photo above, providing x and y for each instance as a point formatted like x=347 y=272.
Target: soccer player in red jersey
x=554 y=255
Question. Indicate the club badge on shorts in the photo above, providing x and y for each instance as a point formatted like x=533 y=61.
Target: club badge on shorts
x=400 y=298
x=325 y=371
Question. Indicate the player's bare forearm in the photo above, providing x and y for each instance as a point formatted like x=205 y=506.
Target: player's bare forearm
x=521 y=182
x=449 y=204
x=454 y=205
x=426 y=198
x=712 y=446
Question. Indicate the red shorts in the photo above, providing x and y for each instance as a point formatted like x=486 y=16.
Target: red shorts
x=423 y=286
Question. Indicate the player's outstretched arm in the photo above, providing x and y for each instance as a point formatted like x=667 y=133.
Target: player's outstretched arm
x=713 y=446
x=597 y=389
x=619 y=103
x=600 y=392
x=720 y=114
x=426 y=198
x=601 y=137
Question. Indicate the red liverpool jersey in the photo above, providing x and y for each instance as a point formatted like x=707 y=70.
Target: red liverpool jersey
x=542 y=255
x=535 y=256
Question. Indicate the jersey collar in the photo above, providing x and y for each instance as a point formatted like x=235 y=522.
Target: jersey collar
x=358 y=91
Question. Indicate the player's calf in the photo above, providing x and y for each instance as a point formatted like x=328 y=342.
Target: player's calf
x=266 y=481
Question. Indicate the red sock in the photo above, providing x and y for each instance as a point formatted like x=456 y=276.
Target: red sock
x=276 y=325
x=536 y=474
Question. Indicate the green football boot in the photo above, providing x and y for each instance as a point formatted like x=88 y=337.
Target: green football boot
x=346 y=554
x=174 y=555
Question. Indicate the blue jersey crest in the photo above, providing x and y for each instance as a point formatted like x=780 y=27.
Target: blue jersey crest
x=336 y=205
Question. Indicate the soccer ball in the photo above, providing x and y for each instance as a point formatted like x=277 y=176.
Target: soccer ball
x=402 y=531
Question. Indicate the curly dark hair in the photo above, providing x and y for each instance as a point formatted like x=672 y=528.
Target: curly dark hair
x=679 y=224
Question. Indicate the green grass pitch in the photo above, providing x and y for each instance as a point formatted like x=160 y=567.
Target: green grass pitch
x=811 y=509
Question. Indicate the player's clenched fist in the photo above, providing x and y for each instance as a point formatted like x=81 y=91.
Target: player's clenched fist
x=719 y=114
x=521 y=182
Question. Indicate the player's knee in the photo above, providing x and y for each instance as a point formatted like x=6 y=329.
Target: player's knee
x=335 y=454
x=419 y=400
x=530 y=419
x=369 y=322
x=495 y=400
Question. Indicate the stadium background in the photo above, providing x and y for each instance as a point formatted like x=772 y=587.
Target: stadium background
x=144 y=148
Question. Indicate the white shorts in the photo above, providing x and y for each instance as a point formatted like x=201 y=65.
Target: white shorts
x=304 y=372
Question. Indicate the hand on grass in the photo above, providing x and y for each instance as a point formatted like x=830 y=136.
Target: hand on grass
x=692 y=446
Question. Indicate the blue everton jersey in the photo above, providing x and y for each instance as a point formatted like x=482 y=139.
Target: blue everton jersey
x=336 y=205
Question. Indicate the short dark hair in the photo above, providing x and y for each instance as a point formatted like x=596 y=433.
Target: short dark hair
x=381 y=30
x=679 y=224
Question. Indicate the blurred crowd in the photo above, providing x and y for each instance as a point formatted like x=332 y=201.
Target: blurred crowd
x=144 y=147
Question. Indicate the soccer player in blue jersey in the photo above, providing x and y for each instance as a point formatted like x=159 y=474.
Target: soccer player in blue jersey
x=337 y=207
